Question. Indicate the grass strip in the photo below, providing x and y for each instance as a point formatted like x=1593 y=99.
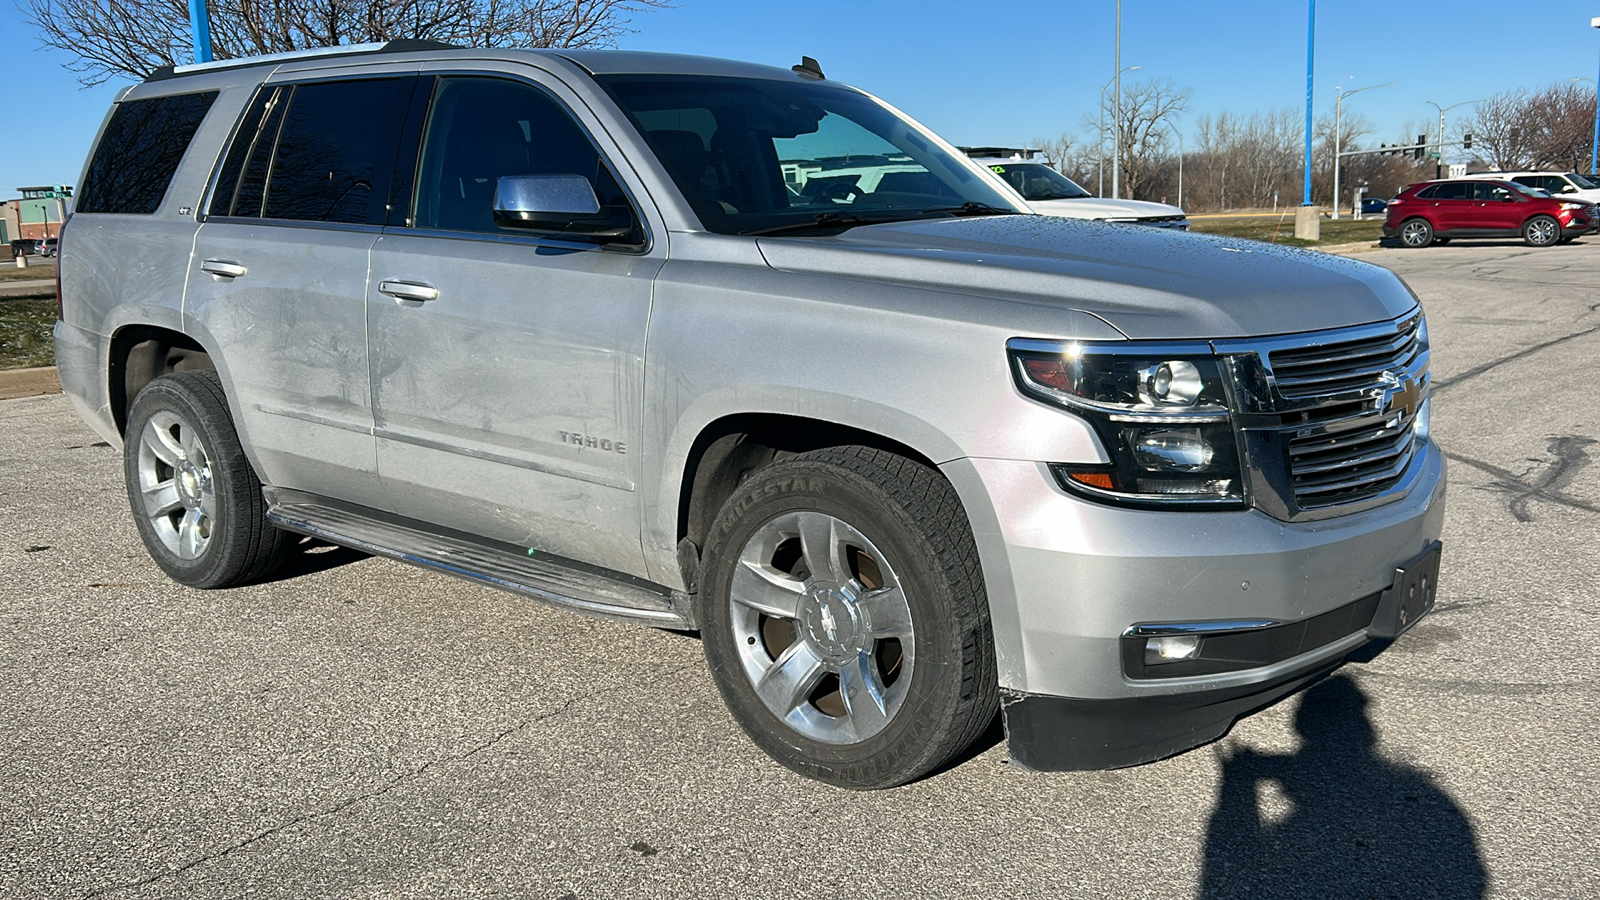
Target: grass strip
x=25 y=327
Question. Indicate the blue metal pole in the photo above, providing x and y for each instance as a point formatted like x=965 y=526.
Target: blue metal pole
x=1311 y=44
x=200 y=26
x=1594 y=146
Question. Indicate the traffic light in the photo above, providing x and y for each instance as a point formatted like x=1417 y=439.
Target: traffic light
x=1466 y=141
x=1422 y=140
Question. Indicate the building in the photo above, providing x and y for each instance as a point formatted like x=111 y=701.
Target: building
x=36 y=216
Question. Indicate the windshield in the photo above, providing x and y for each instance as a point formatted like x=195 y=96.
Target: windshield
x=757 y=155
x=1582 y=182
x=1037 y=181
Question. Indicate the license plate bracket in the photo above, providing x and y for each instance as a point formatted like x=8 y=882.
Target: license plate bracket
x=1416 y=585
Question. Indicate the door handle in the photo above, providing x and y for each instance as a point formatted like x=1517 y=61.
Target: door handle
x=221 y=268
x=408 y=293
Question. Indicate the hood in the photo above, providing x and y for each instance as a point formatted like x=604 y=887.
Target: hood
x=1148 y=283
x=1102 y=208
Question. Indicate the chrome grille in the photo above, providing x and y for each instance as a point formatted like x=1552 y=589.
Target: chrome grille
x=1349 y=365
x=1362 y=459
x=1353 y=432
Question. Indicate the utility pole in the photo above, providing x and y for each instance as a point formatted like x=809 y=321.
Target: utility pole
x=1116 y=115
x=1338 y=135
x=200 y=28
x=1311 y=45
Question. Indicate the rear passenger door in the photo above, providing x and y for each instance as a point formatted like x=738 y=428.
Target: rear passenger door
x=1451 y=206
x=279 y=275
x=508 y=367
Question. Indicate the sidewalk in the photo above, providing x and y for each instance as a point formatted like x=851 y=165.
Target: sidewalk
x=28 y=287
x=16 y=383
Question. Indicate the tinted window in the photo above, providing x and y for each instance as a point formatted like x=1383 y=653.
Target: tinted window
x=250 y=142
x=1451 y=190
x=336 y=151
x=139 y=153
x=481 y=129
x=1537 y=181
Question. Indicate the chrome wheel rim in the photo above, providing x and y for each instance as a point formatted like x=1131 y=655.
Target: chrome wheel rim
x=1415 y=234
x=823 y=627
x=1542 y=232
x=175 y=485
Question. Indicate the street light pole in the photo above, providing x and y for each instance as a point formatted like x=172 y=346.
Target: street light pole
x=1594 y=145
x=1116 y=114
x=1100 y=148
x=1338 y=137
x=1438 y=168
x=1180 y=164
x=1311 y=45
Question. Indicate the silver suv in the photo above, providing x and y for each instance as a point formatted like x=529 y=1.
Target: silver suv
x=573 y=324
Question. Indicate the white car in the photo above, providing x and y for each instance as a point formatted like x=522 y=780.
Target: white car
x=1561 y=185
x=1051 y=193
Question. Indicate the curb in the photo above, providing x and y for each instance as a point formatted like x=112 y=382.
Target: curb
x=15 y=383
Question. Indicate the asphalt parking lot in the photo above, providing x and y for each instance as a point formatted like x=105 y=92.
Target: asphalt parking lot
x=358 y=729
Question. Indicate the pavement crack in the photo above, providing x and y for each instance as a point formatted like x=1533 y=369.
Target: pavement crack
x=339 y=807
x=1442 y=384
x=1550 y=482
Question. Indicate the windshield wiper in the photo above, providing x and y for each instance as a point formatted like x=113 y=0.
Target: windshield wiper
x=844 y=220
x=973 y=209
x=825 y=220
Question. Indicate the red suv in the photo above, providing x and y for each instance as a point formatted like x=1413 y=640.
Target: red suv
x=1433 y=212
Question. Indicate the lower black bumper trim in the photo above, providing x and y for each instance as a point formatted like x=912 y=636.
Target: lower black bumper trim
x=1061 y=734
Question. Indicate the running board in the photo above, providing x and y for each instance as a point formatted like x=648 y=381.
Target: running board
x=554 y=580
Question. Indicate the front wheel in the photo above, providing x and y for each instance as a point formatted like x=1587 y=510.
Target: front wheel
x=844 y=617
x=195 y=498
x=1416 y=233
x=1541 y=231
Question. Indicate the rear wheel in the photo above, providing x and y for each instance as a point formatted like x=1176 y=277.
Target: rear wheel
x=195 y=498
x=1541 y=231
x=1416 y=233
x=844 y=617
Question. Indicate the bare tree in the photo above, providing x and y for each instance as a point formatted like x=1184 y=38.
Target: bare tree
x=132 y=38
x=1141 y=124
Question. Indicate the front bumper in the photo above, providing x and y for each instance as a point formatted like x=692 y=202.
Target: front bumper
x=1068 y=579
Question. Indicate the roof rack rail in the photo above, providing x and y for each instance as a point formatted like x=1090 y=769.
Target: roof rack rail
x=399 y=46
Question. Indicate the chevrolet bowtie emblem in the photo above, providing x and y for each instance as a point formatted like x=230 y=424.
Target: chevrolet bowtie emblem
x=1401 y=395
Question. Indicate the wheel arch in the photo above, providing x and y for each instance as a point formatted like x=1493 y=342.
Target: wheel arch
x=728 y=449
x=139 y=354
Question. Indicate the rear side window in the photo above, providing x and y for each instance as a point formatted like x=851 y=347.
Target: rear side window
x=1451 y=190
x=140 y=151
x=316 y=152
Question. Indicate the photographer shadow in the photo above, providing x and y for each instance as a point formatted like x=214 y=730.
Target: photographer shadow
x=1336 y=820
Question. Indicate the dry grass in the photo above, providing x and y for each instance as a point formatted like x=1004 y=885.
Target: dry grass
x=25 y=339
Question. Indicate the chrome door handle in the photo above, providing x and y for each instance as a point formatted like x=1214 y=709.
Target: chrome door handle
x=221 y=268
x=408 y=293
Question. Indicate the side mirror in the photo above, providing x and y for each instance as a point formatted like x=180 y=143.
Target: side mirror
x=1568 y=189
x=561 y=204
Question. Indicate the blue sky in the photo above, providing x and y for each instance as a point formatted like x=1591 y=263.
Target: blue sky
x=1003 y=73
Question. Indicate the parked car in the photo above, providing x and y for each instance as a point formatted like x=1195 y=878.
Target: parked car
x=1436 y=211
x=1051 y=193
x=47 y=247
x=908 y=456
x=1561 y=185
x=1373 y=205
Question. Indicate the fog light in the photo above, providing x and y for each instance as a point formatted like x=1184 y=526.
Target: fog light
x=1171 y=648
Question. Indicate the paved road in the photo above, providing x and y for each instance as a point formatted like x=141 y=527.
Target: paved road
x=360 y=729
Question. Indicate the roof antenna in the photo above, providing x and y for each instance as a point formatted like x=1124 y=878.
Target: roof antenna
x=808 y=68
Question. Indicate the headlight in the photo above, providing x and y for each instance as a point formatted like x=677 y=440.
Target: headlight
x=1573 y=206
x=1160 y=410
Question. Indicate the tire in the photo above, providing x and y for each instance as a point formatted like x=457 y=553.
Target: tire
x=882 y=670
x=1415 y=233
x=1541 y=231
x=195 y=498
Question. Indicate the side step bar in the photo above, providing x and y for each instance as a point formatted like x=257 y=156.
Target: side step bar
x=552 y=579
